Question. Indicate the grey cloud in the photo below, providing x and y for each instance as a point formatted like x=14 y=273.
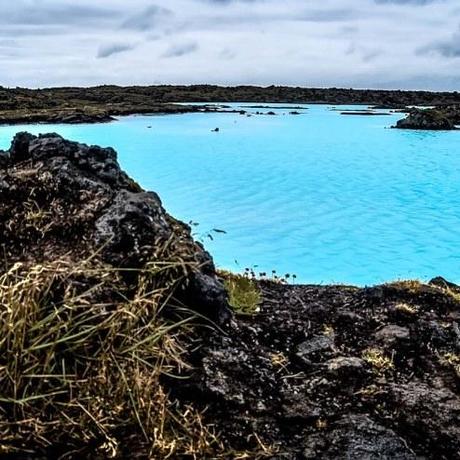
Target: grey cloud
x=53 y=42
x=371 y=55
x=446 y=48
x=327 y=15
x=181 y=50
x=407 y=2
x=365 y=54
x=227 y=54
x=106 y=51
x=148 y=18
x=52 y=14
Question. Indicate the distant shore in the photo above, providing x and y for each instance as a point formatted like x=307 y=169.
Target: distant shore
x=102 y=103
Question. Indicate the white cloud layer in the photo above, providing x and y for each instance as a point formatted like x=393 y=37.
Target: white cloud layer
x=348 y=43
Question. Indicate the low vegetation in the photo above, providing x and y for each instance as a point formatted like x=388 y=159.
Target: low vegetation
x=377 y=359
x=244 y=295
x=81 y=363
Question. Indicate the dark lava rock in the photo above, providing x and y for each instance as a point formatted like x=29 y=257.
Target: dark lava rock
x=431 y=416
x=313 y=375
x=317 y=345
x=64 y=199
x=443 y=283
x=357 y=438
x=80 y=117
x=392 y=334
x=4 y=158
x=430 y=119
x=346 y=365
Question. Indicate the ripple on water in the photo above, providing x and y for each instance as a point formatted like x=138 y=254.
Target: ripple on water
x=328 y=197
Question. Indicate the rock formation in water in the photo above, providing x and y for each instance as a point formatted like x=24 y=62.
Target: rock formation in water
x=428 y=119
x=60 y=198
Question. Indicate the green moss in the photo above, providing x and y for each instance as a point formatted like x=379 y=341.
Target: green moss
x=244 y=295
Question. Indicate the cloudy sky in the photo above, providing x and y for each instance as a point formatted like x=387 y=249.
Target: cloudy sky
x=347 y=43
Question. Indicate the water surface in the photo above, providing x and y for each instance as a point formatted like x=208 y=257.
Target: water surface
x=328 y=197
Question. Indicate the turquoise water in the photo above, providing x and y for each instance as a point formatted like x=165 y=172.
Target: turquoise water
x=327 y=197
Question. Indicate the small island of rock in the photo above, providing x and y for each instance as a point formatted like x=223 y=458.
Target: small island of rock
x=428 y=119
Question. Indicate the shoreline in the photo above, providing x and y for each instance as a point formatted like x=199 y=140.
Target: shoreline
x=100 y=104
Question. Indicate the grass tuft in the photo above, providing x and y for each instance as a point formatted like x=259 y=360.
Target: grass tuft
x=406 y=308
x=81 y=361
x=377 y=359
x=452 y=360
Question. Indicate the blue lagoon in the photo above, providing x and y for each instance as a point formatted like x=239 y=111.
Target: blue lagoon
x=328 y=197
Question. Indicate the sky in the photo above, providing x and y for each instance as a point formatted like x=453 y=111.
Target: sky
x=406 y=44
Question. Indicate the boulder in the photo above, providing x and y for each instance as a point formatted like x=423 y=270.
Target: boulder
x=66 y=199
x=430 y=119
x=357 y=437
x=392 y=334
x=346 y=366
x=310 y=350
x=444 y=284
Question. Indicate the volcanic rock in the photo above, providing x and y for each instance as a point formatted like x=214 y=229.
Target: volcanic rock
x=430 y=119
x=65 y=199
x=305 y=381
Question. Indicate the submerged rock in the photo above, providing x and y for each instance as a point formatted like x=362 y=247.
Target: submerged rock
x=365 y=113
x=65 y=199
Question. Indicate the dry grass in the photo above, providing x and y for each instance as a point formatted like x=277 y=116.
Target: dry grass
x=81 y=358
x=377 y=359
x=452 y=360
x=417 y=287
x=406 y=308
x=413 y=286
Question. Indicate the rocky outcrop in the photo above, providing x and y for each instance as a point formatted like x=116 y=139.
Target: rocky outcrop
x=429 y=119
x=78 y=117
x=68 y=116
x=337 y=372
x=62 y=199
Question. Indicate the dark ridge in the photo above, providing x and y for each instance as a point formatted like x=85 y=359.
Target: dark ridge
x=99 y=104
